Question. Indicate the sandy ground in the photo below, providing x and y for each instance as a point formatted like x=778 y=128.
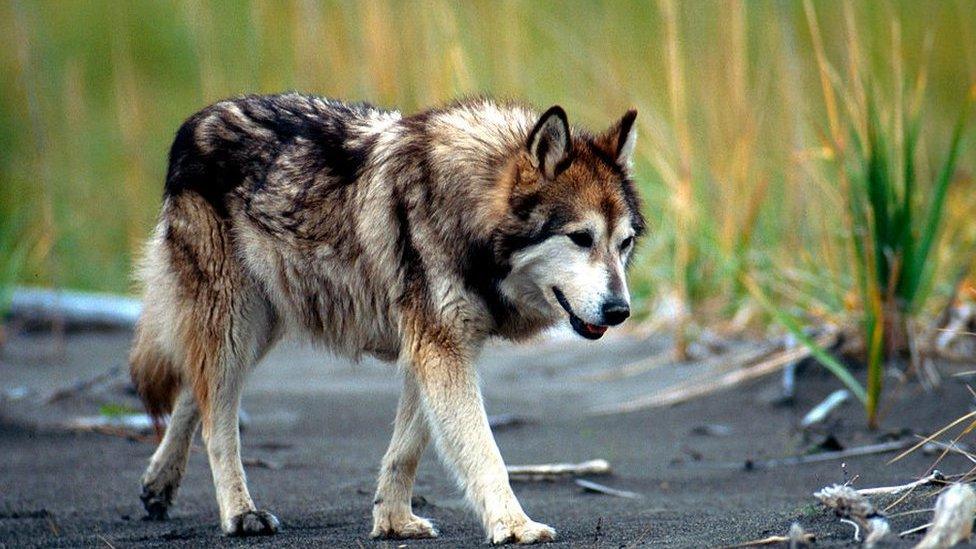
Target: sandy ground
x=323 y=423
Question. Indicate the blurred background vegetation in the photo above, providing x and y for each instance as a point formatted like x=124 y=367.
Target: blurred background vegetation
x=747 y=113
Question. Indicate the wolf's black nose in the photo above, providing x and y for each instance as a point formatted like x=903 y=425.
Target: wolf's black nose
x=615 y=311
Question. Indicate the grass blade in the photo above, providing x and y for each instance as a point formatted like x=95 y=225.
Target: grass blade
x=828 y=361
x=933 y=219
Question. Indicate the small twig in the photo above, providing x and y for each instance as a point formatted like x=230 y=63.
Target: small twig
x=796 y=537
x=857 y=529
x=551 y=471
x=82 y=386
x=597 y=488
x=935 y=477
x=53 y=525
x=116 y=432
x=772 y=540
x=504 y=421
x=932 y=437
x=915 y=530
x=910 y=512
x=955 y=448
x=858 y=451
x=260 y=463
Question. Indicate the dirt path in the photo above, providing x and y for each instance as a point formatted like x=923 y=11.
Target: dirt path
x=324 y=424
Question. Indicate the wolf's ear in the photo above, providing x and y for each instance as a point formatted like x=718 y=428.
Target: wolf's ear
x=620 y=139
x=549 y=146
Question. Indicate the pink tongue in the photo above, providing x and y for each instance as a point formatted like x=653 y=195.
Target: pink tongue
x=595 y=329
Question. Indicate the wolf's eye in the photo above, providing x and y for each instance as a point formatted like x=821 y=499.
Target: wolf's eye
x=583 y=239
x=626 y=243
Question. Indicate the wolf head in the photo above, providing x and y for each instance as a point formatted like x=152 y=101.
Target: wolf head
x=574 y=219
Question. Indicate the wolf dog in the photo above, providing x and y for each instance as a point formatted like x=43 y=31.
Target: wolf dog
x=410 y=238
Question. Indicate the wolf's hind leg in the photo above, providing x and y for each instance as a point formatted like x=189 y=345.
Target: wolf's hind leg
x=392 y=513
x=168 y=464
x=221 y=431
x=225 y=367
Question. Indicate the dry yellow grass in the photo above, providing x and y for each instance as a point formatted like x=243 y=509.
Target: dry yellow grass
x=741 y=107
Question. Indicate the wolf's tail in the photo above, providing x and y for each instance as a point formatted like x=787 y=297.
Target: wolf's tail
x=155 y=375
x=153 y=362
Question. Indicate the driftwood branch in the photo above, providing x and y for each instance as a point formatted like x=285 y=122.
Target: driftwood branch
x=552 y=471
x=43 y=305
x=706 y=385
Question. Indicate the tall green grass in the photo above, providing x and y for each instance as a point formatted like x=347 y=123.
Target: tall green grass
x=892 y=210
x=894 y=229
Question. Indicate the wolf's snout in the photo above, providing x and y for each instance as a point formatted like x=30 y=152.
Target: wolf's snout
x=615 y=311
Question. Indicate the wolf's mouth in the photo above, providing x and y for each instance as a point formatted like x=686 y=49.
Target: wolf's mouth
x=589 y=331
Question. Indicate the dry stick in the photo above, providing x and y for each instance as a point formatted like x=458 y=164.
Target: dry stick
x=935 y=478
x=771 y=540
x=84 y=385
x=551 y=471
x=136 y=437
x=631 y=369
x=597 y=488
x=914 y=530
x=260 y=463
x=867 y=450
x=931 y=437
x=701 y=386
x=53 y=525
x=115 y=432
x=858 y=451
x=928 y=440
x=910 y=512
x=954 y=447
x=647 y=364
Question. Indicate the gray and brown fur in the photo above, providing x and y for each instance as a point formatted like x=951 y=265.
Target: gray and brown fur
x=409 y=238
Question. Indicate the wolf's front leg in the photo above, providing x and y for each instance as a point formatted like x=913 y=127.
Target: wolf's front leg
x=450 y=395
x=392 y=513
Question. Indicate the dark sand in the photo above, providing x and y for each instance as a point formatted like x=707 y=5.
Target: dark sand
x=326 y=422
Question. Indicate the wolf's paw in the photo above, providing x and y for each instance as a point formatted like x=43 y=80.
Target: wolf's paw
x=156 y=501
x=408 y=526
x=252 y=523
x=521 y=532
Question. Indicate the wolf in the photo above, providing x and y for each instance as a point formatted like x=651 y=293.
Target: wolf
x=410 y=238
